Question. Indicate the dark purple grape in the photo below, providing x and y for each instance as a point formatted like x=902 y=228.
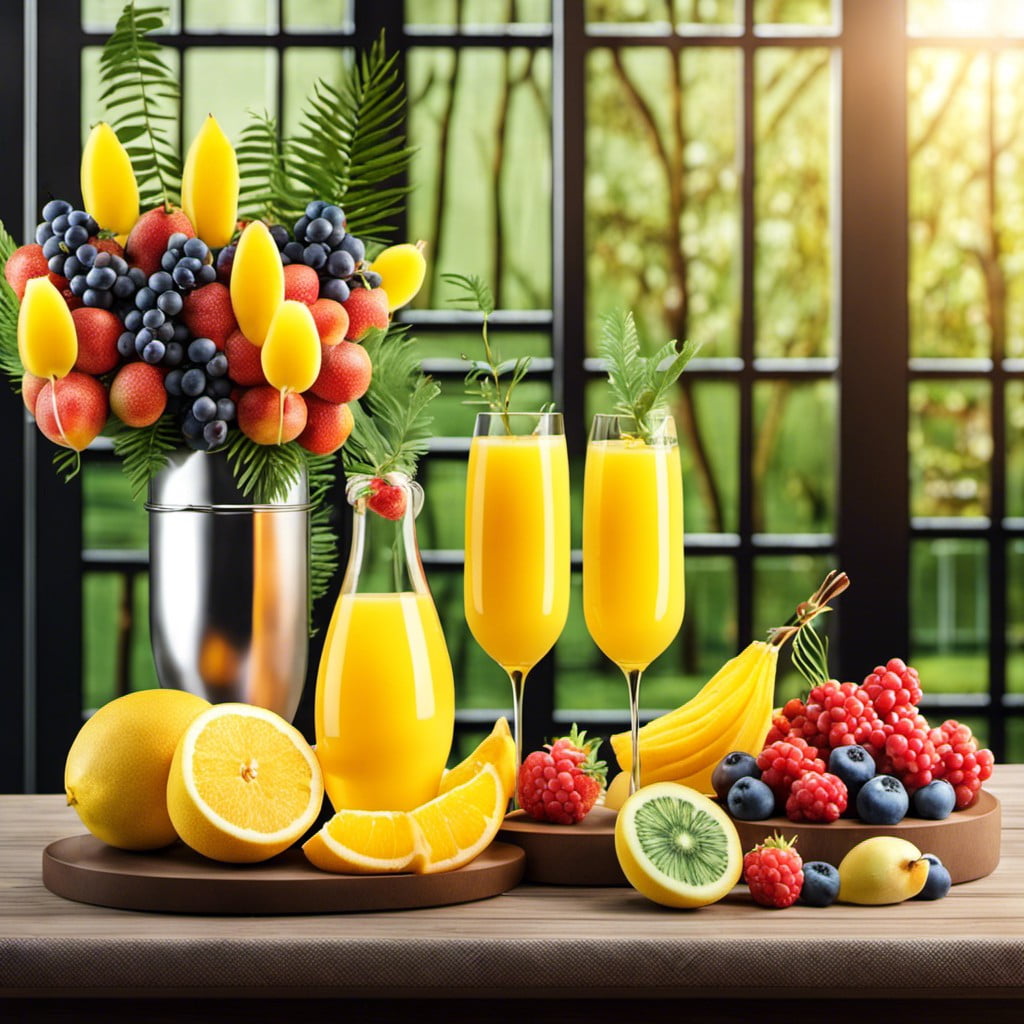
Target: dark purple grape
x=101 y=277
x=207 y=274
x=177 y=240
x=170 y=303
x=204 y=408
x=341 y=264
x=174 y=354
x=217 y=366
x=225 y=409
x=215 y=433
x=202 y=350
x=154 y=352
x=279 y=233
x=333 y=288
x=193 y=383
x=133 y=319
x=126 y=344
x=184 y=278
x=191 y=427
x=51 y=248
x=55 y=207
x=75 y=235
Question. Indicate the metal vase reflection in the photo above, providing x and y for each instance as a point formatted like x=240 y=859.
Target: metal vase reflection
x=229 y=586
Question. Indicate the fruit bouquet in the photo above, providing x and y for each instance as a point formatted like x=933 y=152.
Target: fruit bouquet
x=239 y=311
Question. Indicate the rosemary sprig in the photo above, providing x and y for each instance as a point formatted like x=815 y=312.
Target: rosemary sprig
x=486 y=382
x=640 y=384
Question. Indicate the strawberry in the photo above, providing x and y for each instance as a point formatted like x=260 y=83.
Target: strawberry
x=562 y=782
x=27 y=262
x=208 y=313
x=345 y=372
x=301 y=283
x=774 y=872
x=244 y=365
x=367 y=308
x=147 y=240
x=97 y=331
x=386 y=499
x=328 y=425
x=137 y=395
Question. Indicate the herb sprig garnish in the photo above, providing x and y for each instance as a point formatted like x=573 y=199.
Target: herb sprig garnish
x=640 y=384
x=392 y=426
x=486 y=382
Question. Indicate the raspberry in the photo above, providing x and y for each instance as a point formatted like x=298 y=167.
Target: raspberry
x=961 y=763
x=785 y=760
x=893 y=687
x=911 y=753
x=562 y=782
x=841 y=716
x=816 y=796
x=781 y=720
x=774 y=872
x=795 y=722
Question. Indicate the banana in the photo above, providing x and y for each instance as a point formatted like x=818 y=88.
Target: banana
x=109 y=189
x=209 y=186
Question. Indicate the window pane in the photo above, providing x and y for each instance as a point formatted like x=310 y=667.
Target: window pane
x=101 y=15
x=481 y=122
x=662 y=14
x=302 y=67
x=795 y=12
x=110 y=518
x=781 y=582
x=465 y=343
x=948 y=616
x=965 y=17
x=793 y=274
x=950 y=448
x=470 y=14
x=441 y=524
x=1015 y=617
x=244 y=76
x=793 y=468
x=1015 y=448
x=662 y=194
x=231 y=16
x=318 y=15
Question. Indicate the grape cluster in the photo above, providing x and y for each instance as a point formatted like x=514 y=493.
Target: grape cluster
x=185 y=260
x=200 y=390
x=150 y=331
x=322 y=242
x=101 y=278
x=62 y=230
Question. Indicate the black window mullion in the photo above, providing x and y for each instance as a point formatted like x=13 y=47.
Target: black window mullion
x=874 y=498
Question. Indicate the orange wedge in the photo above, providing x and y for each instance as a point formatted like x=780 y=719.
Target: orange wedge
x=365 y=843
x=244 y=784
x=499 y=749
x=460 y=823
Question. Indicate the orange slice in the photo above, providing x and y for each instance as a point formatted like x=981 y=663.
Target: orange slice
x=460 y=823
x=499 y=749
x=365 y=843
x=244 y=784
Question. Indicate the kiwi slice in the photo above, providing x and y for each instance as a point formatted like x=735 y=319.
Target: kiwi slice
x=682 y=840
x=676 y=846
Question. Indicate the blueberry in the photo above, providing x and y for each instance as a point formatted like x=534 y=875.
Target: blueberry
x=55 y=207
x=206 y=274
x=170 y=303
x=882 y=801
x=183 y=277
x=202 y=350
x=126 y=344
x=196 y=248
x=854 y=765
x=160 y=282
x=313 y=208
x=204 y=409
x=193 y=383
x=821 y=884
x=279 y=233
x=732 y=767
x=750 y=800
x=217 y=366
x=172 y=383
x=334 y=289
x=934 y=801
x=938 y=882
x=177 y=240
x=153 y=318
x=154 y=352
x=225 y=409
x=51 y=248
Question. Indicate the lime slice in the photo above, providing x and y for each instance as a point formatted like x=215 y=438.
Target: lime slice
x=677 y=847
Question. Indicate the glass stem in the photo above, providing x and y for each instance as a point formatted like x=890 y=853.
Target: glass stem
x=633 y=683
x=517 y=677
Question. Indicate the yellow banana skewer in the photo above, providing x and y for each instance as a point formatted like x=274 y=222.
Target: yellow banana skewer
x=210 y=183
x=109 y=189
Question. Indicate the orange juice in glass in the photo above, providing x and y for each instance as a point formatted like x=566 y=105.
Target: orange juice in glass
x=516 y=585
x=385 y=695
x=633 y=587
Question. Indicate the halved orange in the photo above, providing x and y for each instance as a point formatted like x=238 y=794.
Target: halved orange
x=365 y=843
x=460 y=823
x=499 y=749
x=244 y=784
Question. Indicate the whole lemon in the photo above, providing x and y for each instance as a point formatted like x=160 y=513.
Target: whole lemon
x=116 y=773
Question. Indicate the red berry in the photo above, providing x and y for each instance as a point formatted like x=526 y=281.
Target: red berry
x=816 y=796
x=784 y=761
x=961 y=764
x=386 y=499
x=840 y=714
x=562 y=782
x=774 y=872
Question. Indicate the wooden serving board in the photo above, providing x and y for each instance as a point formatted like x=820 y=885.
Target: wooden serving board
x=967 y=842
x=582 y=854
x=176 y=879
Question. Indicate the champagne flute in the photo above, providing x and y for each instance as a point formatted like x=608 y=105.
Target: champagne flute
x=633 y=585
x=516 y=581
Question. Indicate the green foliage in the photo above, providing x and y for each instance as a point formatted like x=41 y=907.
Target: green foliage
x=134 y=79
x=10 y=361
x=810 y=655
x=392 y=421
x=266 y=188
x=144 y=451
x=350 y=148
x=640 y=385
x=484 y=381
x=264 y=472
x=323 y=540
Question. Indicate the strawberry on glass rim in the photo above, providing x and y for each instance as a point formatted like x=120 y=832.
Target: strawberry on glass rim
x=388 y=494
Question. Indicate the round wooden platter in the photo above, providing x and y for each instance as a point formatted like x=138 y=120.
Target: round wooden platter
x=582 y=854
x=967 y=842
x=176 y=879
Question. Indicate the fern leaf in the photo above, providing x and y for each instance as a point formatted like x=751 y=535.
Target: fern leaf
x=266 y=186
x=134 y=81
x=264 y=472
x=323 y=539
x=10 y=360
x=474 y=293
x=144 y=451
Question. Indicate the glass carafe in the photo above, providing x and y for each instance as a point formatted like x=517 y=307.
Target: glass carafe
x=385 y=696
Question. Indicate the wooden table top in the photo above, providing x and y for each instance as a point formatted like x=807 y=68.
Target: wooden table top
x=536 y=941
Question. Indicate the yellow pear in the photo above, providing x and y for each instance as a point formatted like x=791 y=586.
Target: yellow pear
x=291 y=351
x=209 y=185
x=109 y=189
x=882 y=869
x=257 y=281
x=47 y=342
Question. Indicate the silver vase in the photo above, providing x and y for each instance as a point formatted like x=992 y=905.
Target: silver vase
x=229 y=586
